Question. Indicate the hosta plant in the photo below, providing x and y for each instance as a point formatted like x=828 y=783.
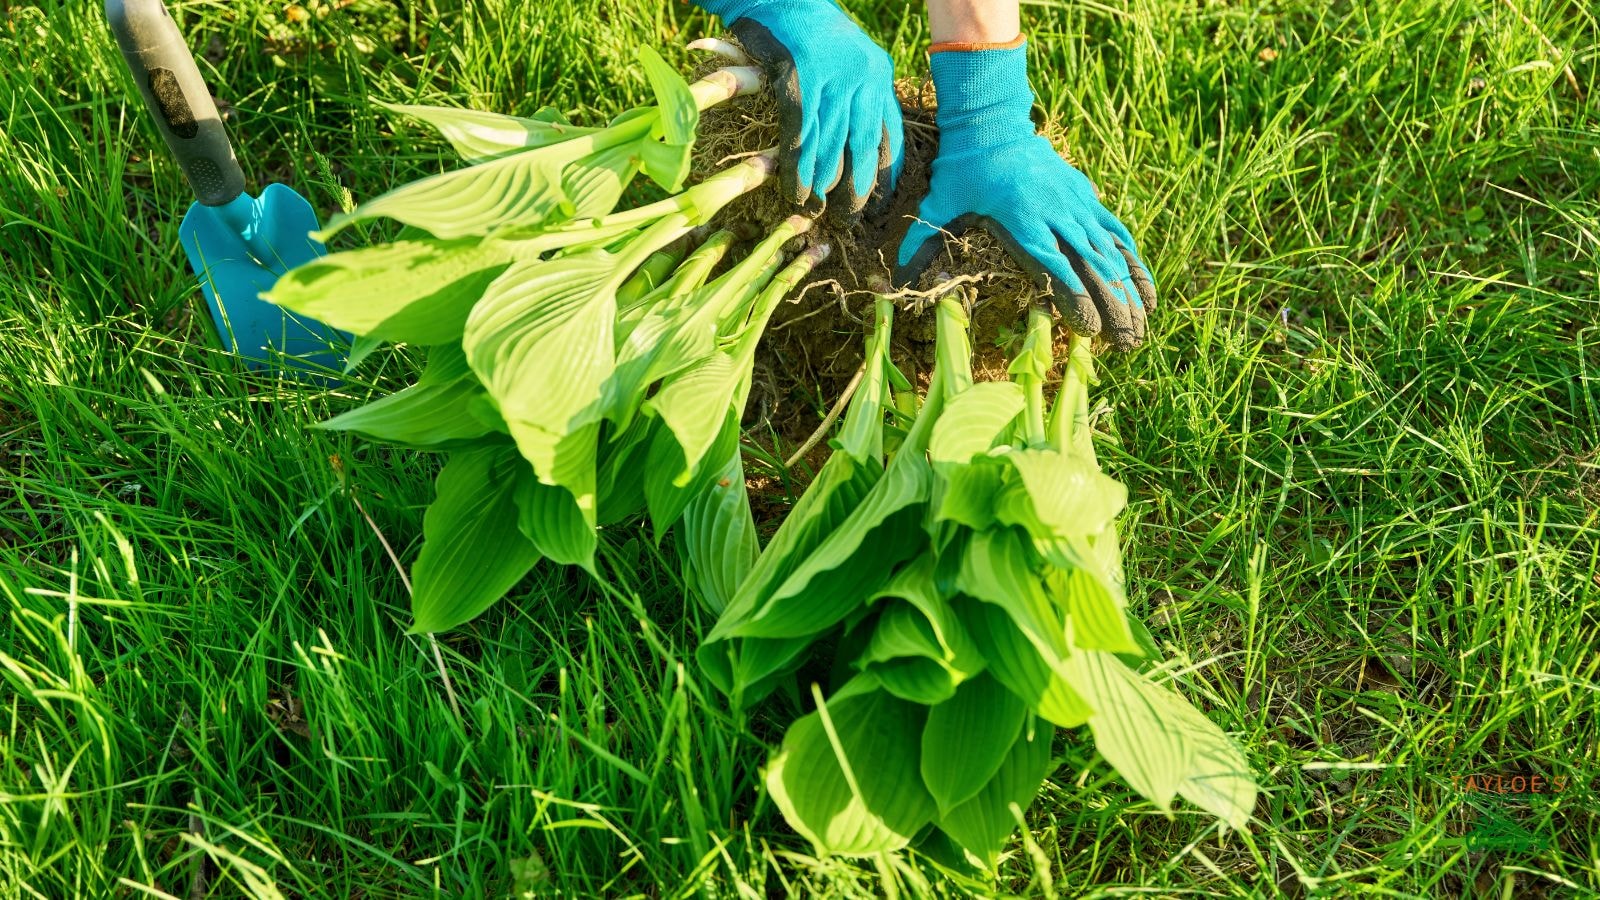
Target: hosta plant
x=968 y=584
x=583 y=365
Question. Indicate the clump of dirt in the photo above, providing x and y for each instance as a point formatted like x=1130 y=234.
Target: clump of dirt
x=814 y=345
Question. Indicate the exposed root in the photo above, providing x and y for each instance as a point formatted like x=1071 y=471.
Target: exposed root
x=731 y=52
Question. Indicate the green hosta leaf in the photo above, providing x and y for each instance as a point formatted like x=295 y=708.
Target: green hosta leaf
x=747 y=668
x=550 y=518
x=975 y=421
x=621 y=471
x=483 y=408
x=594 y=185
x=680 y=115
x=984 y=823
x=856 y=791
x=719 y=544
x=1094 y=618
x=675 y=340
x=1015 y=662
x=852 y=562
x=967 y=738
x=915 y=584
x=998 y=568
x=667 y=163
x=522 y=188
x=694 y=405
x=1158 y=743
x=478 y=136
x=1059 y=495
x=416 y=292
x=1130 y=725
x=668 y=485
x=919 y=679
x=540 y=339
x=435 y=413
x=918 y=647
x=967 y=492
x=908 y=658
x=660 y=344
x=472 y=551
x=839 y=488
x=1105 y=553
x=1219 y=779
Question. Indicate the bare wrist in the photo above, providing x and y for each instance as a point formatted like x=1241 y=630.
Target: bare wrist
x=974 y=21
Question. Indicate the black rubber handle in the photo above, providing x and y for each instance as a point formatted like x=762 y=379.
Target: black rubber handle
x=176 y=96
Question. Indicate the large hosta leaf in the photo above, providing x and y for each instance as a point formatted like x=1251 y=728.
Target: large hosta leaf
x=747 y=668
x=1015 y=661
x=852 y=789
x=416 y=291
x=975 y=421
x=520 y=190
x=551 y=520
x=839 y=488
x=669 y=486
x=472 y=550
x=1219 y=780
x=1057 y=494
x=1160 y=744
x=998 y=568
x=478 y=136
x=1131 y=727
x=909 y=659
x=435 y=413
x=667 y=162
x=854 y=561
x=983 y=823
x=967 y=738
x=523 y=188
x=694 y=405
x=718 y=533
x=594 y=185
x=541 y=342
x=1095 y=619
x=620 y=472
x=966 y=493
x=915 y=584
x=663 y=342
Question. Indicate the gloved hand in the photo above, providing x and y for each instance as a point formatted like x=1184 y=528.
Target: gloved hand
x=836 y=102
x=993 y=170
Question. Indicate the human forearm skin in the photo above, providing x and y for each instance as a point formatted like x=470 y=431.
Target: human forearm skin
x=974 y=21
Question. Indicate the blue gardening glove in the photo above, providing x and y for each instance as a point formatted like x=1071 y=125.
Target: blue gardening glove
x=836 y=102
x=995 y=172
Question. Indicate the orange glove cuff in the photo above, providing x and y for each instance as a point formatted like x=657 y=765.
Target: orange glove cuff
x=969 y=46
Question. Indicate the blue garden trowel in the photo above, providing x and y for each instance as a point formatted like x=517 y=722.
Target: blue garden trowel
x=237 y=244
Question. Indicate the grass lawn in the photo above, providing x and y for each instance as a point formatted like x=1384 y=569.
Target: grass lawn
x=1362 y=447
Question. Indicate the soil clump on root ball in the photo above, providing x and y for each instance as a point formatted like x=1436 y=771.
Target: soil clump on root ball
x=813 y=347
